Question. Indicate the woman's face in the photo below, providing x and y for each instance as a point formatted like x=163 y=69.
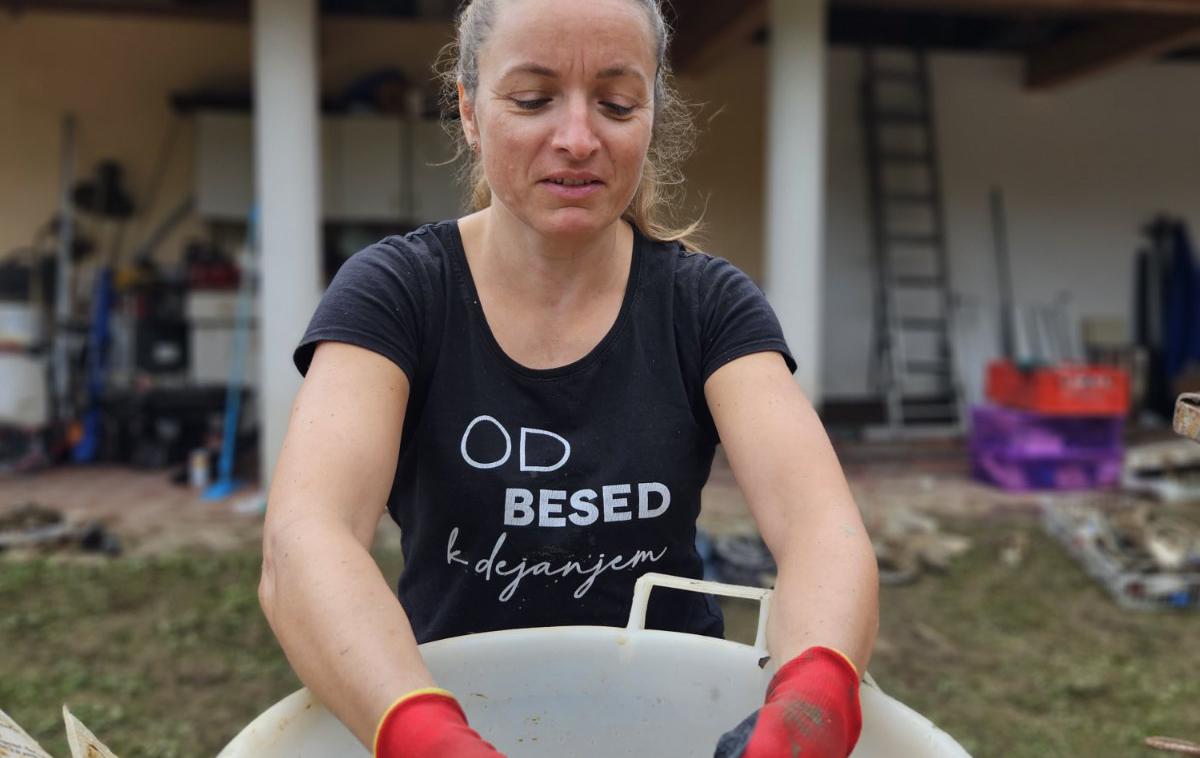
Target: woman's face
x=563 y=110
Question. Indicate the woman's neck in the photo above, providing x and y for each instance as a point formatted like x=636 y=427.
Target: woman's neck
x=506 y=253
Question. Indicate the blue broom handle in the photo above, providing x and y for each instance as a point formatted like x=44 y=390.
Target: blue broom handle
x=233 y=396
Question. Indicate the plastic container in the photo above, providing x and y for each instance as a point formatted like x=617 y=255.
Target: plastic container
x=1066 y=389
x=1022 y=450
x=598 y=692
x=1037 y=435
x=1078 y=471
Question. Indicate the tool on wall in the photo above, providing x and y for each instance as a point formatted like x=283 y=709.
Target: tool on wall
x=913 y=360
x=1042 y=367
x=1008 y=342
x=107 y=199
x=225 y=484
x=60 y=367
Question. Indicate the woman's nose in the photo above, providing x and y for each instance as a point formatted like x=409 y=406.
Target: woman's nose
x=575 y=134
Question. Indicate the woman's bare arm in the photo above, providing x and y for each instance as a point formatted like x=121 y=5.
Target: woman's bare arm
x=339 y=623
x=828 y=582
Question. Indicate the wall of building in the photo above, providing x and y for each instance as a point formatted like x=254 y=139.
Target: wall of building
x=1082 y=169
x=725 y=177
x=116 y=73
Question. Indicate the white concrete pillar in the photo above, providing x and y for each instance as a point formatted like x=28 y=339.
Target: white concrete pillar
x=287 y=171
x=795 y=160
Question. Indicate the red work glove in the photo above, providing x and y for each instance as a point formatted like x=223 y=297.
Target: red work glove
x=811 y=710
x=429 y=723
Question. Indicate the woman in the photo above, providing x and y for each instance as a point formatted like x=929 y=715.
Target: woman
x=535 y=392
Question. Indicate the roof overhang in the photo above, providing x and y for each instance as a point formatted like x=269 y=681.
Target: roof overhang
x=1062 y=41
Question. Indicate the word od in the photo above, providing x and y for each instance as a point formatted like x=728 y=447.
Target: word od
x=526 y=433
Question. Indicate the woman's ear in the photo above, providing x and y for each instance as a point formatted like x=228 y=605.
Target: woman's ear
x=466 y=114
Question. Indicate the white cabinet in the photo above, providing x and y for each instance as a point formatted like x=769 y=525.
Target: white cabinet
x=212 y=319
x=224 y=165
x=363 y=168
x=374 y=168
x=23 y=398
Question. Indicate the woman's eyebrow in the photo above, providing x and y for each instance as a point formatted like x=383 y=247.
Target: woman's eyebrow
x=616 y=72
x=612 y=72
x=530 y=68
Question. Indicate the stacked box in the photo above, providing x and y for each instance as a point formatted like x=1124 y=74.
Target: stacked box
x=1061 y=390
x=1019 y=450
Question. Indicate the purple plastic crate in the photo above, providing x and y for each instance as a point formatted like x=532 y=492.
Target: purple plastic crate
x=1028 y=434
x=1080 y=471
x=1022 y=450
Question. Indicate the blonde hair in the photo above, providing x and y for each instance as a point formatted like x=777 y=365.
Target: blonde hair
x=672 y=140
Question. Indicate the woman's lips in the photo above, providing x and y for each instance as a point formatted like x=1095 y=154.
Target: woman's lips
x=572 y=191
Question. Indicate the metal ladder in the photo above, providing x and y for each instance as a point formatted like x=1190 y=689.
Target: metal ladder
x=913 y=359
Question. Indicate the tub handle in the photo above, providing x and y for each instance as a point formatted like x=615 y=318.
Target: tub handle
x=647 y=582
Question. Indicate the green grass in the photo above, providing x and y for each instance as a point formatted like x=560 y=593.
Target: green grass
x=170 y=657
x=164 y=657
x=159 y=657
x=1037 y=662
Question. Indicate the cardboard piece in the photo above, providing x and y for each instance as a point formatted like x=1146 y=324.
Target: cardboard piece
x=81 y=740
x=15 y=742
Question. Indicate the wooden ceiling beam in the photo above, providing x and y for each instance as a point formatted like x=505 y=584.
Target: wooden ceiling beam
x=211 y=9
x=706 y=32
x=1037 y=7
x=1106 y=46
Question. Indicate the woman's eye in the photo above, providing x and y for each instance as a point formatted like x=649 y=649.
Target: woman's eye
x=531 y=104
x=618 y=110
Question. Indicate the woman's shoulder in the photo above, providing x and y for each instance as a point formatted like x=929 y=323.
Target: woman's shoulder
x=698 y=272
x=426 y=247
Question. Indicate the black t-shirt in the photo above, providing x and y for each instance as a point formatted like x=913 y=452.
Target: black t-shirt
x=531 y=497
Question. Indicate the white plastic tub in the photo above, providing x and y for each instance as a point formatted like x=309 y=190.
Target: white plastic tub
x=598 y=692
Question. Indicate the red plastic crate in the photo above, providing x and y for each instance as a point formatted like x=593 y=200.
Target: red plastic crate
x=1065 y=389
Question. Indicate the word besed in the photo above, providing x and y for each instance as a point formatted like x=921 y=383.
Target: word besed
x=612 y=503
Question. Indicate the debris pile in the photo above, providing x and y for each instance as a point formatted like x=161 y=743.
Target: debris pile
x=30 y=526
x=1167 y=471
x=907 y=543
x=737 y=559
x=1145 y=558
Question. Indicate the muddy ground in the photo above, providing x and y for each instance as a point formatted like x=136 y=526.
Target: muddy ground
x=163 y=651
